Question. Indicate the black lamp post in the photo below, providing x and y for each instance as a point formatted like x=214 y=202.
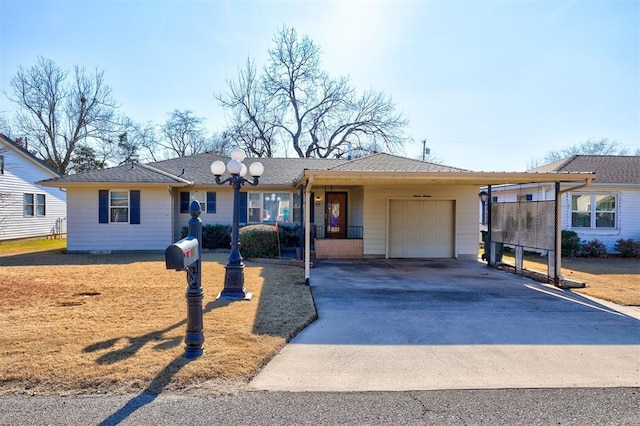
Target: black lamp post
x=234 y=271
x=484 y=196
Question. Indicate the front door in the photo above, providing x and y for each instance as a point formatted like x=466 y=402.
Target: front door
x=336 y=215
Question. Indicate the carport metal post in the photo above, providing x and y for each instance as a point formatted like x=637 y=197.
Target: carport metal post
x=558 y=236
x=487 y=243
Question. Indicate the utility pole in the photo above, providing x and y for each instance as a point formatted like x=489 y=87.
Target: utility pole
x=425 y=150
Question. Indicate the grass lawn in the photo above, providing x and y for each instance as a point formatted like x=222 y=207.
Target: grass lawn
x=81 y=323
x=614 y=278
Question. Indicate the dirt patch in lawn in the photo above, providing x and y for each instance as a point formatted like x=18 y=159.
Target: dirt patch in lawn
x=81 y=323
x=615 y=279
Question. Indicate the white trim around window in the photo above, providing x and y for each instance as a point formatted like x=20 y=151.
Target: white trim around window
x=594 y=210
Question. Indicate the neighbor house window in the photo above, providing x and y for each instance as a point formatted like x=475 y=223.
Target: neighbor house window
x=28 y=205
x=207 y=201
x=525 y=197
x=41 y=204
x=119 y=206
x=1 y=164
x=594 y=211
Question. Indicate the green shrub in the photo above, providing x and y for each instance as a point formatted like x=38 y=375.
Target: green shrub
x=213 y=236
x=628 y=247
x=258 y=241
x=570 y=244
x=594 y=248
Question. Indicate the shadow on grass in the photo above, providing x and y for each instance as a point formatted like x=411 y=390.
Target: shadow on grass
x=136 y=343
x=285 y=306
x=162 y=379
x=60 y=257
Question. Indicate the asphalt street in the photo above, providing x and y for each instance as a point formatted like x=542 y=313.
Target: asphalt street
x=594 y=406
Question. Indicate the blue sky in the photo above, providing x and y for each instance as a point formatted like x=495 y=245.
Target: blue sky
x=490 y=84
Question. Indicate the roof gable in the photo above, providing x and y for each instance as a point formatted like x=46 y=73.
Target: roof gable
x=26 y=154
x=623 y=169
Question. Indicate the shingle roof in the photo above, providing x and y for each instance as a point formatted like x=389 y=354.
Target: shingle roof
x=197 y=169
x=608 y=168
x=383 y=162
x=277 y=171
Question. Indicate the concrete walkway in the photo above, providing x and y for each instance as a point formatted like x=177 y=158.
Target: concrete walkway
x=452 y=324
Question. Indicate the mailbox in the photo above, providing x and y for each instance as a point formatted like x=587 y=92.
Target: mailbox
x=182 y=254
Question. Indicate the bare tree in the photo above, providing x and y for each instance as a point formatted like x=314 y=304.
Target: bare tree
x=183 y=134
x=252 y=119
x=55 y=113
x=602 y=146
x=296 y=104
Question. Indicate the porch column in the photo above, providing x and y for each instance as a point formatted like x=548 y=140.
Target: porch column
x=307 y=230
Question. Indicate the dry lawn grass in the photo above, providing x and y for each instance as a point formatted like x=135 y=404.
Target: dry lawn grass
x=80 y=323
x=614 y=279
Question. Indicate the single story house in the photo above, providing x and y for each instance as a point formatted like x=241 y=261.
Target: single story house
x=379 y=206
x=606 y=210
x=28 y=210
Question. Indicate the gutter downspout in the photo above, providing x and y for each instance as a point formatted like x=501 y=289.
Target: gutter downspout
x=307 y=230
x=558 y=263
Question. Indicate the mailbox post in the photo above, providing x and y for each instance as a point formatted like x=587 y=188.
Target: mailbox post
x=185 y=255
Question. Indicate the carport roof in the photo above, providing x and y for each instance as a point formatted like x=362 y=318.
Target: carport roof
x=389 y=169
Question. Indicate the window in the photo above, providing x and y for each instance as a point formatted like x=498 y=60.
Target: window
x=29 y=205
x=297 y=208
x=35 y=204
x=207 y=201
x=41 y=205
x=594 y=211
x=1 y=164
x=272 y=207
x=119 y=206
x=525 y=197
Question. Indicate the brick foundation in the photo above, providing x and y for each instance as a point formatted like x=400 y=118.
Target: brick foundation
x=339 y=249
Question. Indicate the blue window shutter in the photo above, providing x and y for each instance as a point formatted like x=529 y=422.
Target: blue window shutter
x=243 y=208
x=211 y=202
x=103 y=206
x=184 y=202
x=134 y=212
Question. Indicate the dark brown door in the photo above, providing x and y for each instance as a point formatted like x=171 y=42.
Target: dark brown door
x=336 y=215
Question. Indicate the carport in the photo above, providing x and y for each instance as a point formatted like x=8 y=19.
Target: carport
x=408 y=211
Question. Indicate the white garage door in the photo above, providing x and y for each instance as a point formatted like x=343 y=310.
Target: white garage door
x=421 y=229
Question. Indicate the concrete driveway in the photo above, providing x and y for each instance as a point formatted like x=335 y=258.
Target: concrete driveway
x=452 y=324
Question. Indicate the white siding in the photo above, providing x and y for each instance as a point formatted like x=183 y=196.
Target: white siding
x=154 y=232
x=376 y=201
x=20 y=173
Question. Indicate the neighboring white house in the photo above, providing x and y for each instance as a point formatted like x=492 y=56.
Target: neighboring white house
x=606 y=210
x=28 y=210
